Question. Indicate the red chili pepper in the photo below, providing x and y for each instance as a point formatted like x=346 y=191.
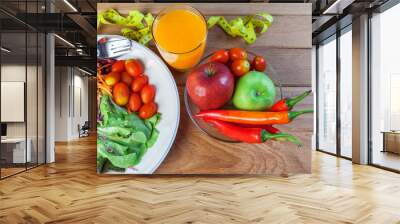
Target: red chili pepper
x=251 y=117
x=271 y=129
x=249 y=135
x=287 y=104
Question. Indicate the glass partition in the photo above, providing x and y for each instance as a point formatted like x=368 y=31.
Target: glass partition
x=327 y=96
x=22 y=77
x=346 y=93
x=385 y=89
x=15 y=152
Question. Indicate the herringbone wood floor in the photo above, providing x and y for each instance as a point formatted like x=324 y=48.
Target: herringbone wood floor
x=70 y=191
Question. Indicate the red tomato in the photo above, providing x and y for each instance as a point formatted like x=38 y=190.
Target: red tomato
x=148 y=93
x=221 y=55
x=134 y=67
x=126 y=78
x=237 y=53
x=240 y=67
x=134 y=102
x=112 y=78
x=148 y=110
x=121 y=94
x=259 y=64
x=139 y=82
x=118 y=66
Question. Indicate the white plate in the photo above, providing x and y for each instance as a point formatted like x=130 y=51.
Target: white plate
x=167 y=99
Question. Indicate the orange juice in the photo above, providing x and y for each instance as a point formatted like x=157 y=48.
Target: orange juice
x=180 y=34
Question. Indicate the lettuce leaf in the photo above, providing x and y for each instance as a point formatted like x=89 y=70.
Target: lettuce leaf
x=123 y=138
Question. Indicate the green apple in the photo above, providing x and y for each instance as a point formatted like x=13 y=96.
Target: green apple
x=254 y=91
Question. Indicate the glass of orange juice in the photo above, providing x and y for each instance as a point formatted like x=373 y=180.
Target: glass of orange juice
x=180 y=34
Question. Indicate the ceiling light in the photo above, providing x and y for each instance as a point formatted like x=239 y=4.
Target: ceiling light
x=5 y=49
x=84 y=71
x=337 y=7
x=64 y=40
x=70 y=5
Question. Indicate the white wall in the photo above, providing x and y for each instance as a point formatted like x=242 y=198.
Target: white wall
x=69 y=82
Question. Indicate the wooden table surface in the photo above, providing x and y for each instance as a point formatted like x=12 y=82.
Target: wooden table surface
x=287 y=47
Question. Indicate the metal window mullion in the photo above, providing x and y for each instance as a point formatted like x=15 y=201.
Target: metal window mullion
x=0 y=94
x=369 y=97
x=317 y=97
x=338 y=98
x=25 y=89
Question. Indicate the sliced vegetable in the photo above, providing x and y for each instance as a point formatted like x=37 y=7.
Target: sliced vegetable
x=252 y=117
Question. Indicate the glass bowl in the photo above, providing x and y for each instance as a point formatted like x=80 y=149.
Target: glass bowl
x=205 y=127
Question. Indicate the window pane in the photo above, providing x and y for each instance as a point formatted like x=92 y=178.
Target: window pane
x=346 y=93
x=327 y=96
x=15 y=151
x=385 y=86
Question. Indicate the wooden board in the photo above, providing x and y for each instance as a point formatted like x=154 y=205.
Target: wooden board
x=287 y=47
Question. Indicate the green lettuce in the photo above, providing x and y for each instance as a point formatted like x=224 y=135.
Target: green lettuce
x=122 y=138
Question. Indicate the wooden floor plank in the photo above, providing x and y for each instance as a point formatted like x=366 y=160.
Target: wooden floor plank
x=70 y=191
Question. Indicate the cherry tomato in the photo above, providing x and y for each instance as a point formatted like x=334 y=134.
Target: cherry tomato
x=221 y=55
x=118 y=66
x=112 y=78
x=148 y=110
x=259 y=64
x=148 y=93
x=240 y=67
x=126 y=78
x=237 y=53
x=121 y=94
x=134 y=67
x=134 y=102
x=139 y=82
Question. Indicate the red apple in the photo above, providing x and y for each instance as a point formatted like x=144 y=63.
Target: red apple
x=210 y=85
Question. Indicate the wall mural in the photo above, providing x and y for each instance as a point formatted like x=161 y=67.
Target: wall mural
x=204 y=88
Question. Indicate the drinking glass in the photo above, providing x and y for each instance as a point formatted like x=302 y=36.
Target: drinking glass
x=180 y=34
